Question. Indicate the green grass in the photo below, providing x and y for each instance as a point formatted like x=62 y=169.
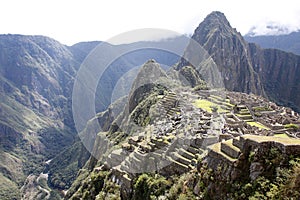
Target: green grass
x=259 y=109
x=11 y=166
x=282 y=135
x=258 y=125
x=217 y=148
x=228 y=104
x=283 y=140
x=228 y=101
x=208 y=105
x=217 y=98
x=245 y=112
x=42 y=182
x=244 y=115
x=225 y=102
x=8 y=189
x=20 y=117
x=291 y=126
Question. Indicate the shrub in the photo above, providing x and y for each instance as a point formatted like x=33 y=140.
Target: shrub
x=291 y=126
x=251 y=156
x=147 y=186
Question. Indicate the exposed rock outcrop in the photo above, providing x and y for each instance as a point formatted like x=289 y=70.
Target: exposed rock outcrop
x=146 y=80
x=36 y=77
x=246 y=67
x=229 y=52
x=244 y=156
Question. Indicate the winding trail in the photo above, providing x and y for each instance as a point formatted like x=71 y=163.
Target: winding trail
x=32 y=189
x=44 y=176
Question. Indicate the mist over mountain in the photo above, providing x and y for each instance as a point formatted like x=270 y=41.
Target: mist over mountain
x=229 y=51
x=246 y=67
x=42 y=156
x=271 y=28
x=36 y=81
x=158 y=125
x=286 y=42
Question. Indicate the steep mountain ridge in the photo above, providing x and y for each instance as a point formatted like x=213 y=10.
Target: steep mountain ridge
x=36 y=78
x=81 y=50
x=287 y=42
x=230 y=53
x=279 y=73
x=184 y=137
x=247 y=67
x=176 y=126
x=35 y=88
x=36 y=66
x=36 y=123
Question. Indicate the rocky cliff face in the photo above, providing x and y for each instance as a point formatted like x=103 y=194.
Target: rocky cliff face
x=186 y=148
x=247 y=163
x=36 y=81
x=287 y=42
x=230 y=53
x=40 y=70
x=279 y=73
x=36 y=77
x=180 y=132
x=246 y=67
x=144 y=83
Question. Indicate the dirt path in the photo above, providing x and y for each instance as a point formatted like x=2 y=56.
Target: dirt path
x=44 y=176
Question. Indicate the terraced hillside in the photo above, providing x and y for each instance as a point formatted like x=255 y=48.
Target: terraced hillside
x=186 y=128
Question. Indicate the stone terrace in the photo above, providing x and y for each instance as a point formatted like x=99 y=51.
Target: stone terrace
x=175 y=140
x=227 y=154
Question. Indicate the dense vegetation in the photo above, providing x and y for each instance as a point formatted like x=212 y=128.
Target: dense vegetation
x=282 y=181
x=36 y=124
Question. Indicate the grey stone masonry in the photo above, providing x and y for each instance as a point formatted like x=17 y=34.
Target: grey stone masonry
x=237 y=142
x=228 y=148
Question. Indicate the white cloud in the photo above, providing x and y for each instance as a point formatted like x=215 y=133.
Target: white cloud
x=71 y=21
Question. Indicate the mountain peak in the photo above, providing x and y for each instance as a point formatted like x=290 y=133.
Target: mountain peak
x=217 y=16
x=224 y=43
x=145 y=81
x=214 y=24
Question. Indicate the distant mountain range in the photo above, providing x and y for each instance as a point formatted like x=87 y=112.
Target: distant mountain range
x=36 y=123
x=246 y=67
x=135 y=137
x=286 y=42
x=36 y=80
x=36 y=120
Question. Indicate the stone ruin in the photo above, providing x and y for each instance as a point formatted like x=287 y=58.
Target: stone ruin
x=177 y=138
x=230 y=155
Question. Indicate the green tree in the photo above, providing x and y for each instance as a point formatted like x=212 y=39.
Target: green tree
x=141 y=188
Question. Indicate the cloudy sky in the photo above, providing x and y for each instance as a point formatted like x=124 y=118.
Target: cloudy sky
x=72 y=21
